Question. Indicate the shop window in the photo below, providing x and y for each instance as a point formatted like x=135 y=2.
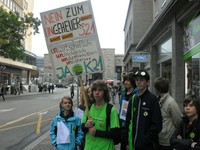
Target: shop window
x=165 y=49
x=166 y=70
x=191 y=28
x=193 y=75
x=165 y=61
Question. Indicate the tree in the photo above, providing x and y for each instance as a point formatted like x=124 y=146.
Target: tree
x=13 y=31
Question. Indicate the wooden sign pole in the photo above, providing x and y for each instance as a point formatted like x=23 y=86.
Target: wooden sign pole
x=84 y=97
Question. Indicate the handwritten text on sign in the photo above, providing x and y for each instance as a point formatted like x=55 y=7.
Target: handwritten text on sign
x=77 y=57
x=70 y=22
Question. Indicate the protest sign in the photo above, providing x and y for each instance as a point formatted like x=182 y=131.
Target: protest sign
x=72 y=40
x=68 y=23
x=76 y=58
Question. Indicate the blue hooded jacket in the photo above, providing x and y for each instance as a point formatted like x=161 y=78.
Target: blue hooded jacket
x=73 y=123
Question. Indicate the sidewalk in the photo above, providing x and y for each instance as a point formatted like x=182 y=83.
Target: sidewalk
x=44 y=141
x=22 y=94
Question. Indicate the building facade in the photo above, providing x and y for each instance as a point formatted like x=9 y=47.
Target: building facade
x=20 y=70
x=138 y=20
x=109 y=63
x=48 y=70
x=119 y=66
x=113 y=64
x=173 y=42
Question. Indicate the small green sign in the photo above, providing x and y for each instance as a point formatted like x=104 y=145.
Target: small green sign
x=77 y=69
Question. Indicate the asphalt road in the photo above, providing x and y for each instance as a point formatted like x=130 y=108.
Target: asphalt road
x=24 y=118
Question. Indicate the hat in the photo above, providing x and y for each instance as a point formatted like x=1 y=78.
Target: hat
x=142 y=73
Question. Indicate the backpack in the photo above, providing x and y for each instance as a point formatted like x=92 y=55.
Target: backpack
x=117 y=139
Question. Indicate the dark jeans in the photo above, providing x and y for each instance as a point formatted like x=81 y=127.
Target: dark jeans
x=123 y=142
x=72 y=95
x=1 y=94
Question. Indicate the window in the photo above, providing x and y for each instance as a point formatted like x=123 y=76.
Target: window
x=7 y=3
x=164 y=60
x=14 y=5
x=11 y=5
x=25 y=4
x=165 y=49
x=191 y=31
x=193 y=75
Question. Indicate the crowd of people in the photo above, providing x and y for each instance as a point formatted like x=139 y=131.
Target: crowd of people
x=16 y=88
x=143 y=121
x=46 y=87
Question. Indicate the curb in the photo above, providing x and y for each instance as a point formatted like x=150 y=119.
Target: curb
x=37 y=141
x=23 y=94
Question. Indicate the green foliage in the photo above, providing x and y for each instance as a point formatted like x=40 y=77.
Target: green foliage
x=13 y=31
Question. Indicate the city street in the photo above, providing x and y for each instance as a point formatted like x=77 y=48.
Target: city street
x=24 y=118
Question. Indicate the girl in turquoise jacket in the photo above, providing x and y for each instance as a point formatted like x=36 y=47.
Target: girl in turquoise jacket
x=65 y=132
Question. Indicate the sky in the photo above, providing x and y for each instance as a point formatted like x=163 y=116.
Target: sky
x=109 y=17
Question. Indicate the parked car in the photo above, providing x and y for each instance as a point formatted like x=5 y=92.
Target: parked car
x=60 y=85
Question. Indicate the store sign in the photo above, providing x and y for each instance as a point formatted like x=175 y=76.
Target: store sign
x=140 y=57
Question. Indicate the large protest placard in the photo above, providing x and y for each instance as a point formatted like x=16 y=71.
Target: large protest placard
x=72 y=40
x=75 y=58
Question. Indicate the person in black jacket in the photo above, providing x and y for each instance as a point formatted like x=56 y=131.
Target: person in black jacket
x=143 y=120
x=2 y=91
x=187 y=135
x=127 y=94
x=72 y=91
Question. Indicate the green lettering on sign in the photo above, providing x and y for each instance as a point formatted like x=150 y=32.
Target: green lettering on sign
x=63 y=72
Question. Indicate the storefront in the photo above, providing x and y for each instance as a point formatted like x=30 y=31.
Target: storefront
x=192 y=53
x=13 y=71
x=173 y=42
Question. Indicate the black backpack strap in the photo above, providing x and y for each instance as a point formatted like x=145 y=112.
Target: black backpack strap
x=108 y=112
